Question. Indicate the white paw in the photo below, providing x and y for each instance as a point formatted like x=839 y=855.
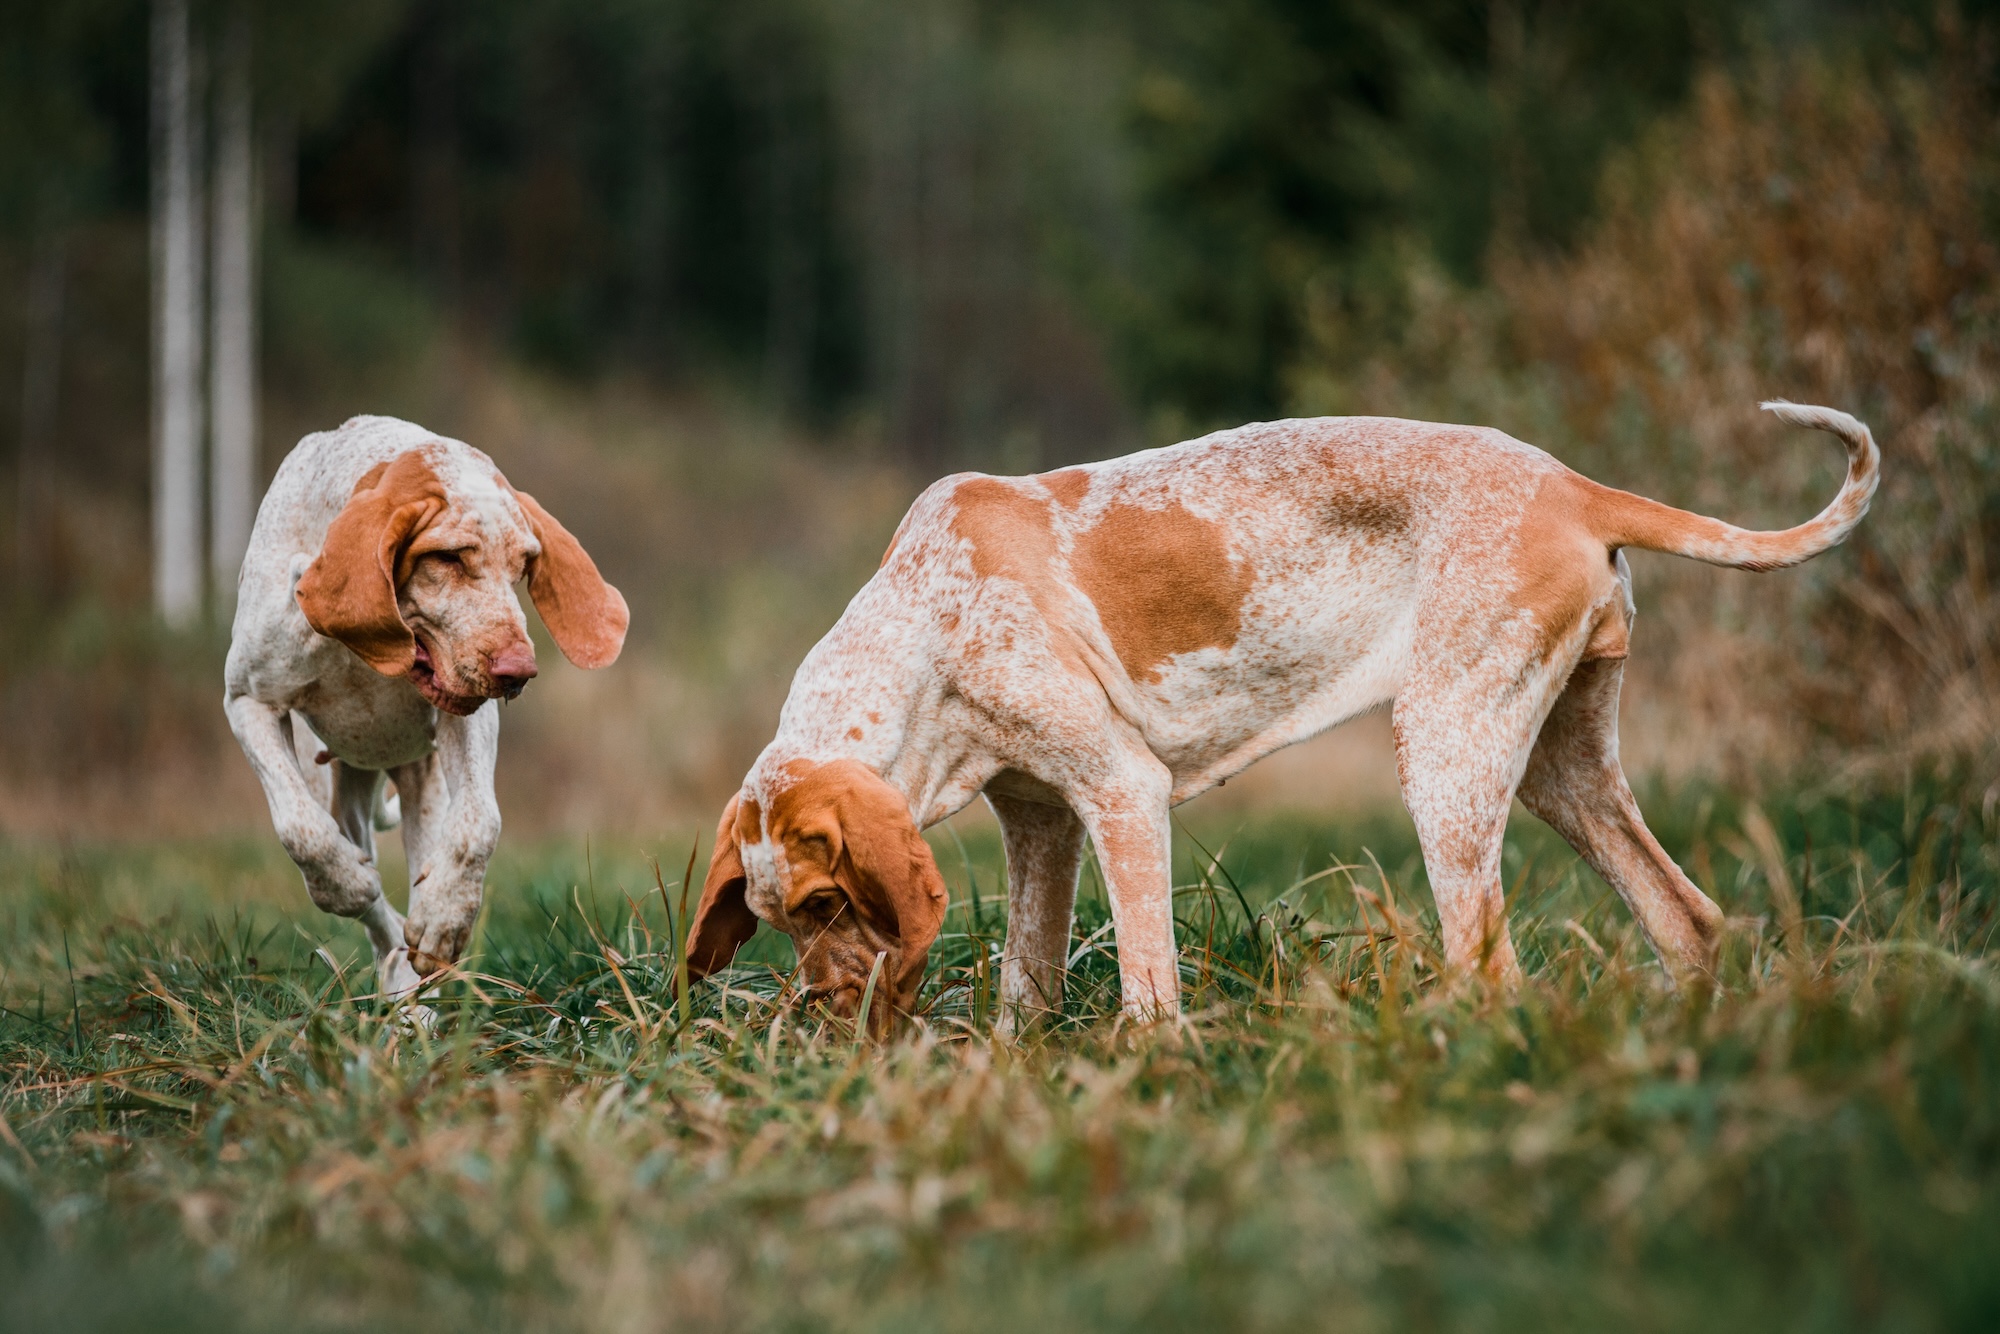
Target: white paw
x=417 y=1017
x=345 y=883
x=397 y=977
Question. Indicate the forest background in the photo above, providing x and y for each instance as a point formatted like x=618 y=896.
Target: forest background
x=726 y=283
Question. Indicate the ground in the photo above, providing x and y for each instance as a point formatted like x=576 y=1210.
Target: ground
x=210 y=1125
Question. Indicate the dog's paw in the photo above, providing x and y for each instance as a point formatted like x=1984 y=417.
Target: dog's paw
x=434 y=945
x=344 y=883
x=397 y=974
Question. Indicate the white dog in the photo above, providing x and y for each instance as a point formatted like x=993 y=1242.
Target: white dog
x=1092 y=646
x=377 y=604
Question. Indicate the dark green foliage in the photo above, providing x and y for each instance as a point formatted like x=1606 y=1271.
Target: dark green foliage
x=994 y=232
x=1281 y=142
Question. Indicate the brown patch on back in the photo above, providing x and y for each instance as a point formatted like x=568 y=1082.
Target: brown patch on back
x=1012 y=536
x=1068 y=486
x=1366 y=509
x=1163 y=584
x=1008 y=529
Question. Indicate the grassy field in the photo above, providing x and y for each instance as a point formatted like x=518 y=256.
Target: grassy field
x=208 y=1125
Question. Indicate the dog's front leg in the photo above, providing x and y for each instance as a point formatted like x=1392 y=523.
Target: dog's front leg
x=1044 y=850
x=445 y=891
x=1128 y=826
x=341 y=876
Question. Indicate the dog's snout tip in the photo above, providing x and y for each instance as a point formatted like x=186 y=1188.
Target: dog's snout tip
x=511 y=669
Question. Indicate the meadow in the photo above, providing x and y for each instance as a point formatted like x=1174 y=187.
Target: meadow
x=209 y=1123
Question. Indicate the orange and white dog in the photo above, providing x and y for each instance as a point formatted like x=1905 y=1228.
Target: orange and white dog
x=376 y=604
x=1090 y=647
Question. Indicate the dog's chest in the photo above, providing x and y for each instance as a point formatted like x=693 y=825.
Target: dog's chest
x=372 y=724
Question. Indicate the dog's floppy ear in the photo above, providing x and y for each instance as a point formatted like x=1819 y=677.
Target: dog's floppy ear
x=887 y=868
x=587 y=616
x=723 y=922
x=349 y=591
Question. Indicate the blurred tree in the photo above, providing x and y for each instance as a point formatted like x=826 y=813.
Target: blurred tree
x=232 y=393
x=1280 y=140
x=53 y=151
x=982 y=232
x=177 y=306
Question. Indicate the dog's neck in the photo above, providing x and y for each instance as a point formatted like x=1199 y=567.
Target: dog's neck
x=871 y=691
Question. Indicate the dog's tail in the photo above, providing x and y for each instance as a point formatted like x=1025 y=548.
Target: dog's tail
x=1626 y=520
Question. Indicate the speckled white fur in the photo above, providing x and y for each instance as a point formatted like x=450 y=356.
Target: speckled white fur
x=279 y=670
x=1386 y=561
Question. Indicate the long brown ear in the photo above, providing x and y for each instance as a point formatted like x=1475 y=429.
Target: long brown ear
x=723 y=923
x=349 y=591
x=587 y=616
x=894 y=879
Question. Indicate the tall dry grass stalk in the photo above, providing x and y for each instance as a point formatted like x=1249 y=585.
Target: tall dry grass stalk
x=1804 y=231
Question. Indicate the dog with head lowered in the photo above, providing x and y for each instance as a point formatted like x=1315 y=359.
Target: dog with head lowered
x=1087 y=648
x=376 y=608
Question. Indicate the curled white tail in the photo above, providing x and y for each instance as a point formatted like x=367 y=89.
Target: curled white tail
x=1626 y=520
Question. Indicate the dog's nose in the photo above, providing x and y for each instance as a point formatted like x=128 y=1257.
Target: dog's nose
x=511 y=669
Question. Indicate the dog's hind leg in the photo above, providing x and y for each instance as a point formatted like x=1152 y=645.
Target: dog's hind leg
x=422 y=800
x=1575 y=784
x=356 y=795
x=1044 y=852
x=1464 y=727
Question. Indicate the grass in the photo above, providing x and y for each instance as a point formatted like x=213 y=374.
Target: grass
x=209 y=1126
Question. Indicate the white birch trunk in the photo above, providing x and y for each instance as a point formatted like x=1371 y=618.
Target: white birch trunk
x=232 y=386
x=177 y=321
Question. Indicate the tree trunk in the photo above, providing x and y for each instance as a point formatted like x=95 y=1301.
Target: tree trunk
x=177 y=321
x=232 y=391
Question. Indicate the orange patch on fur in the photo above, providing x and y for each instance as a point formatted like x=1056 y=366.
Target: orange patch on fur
x=841 y=822
x=1163 y=584
x=1068 y=486
x=1563 y=571
x=1610 y=638
x=349 y=591
x=1008 y=529
x=853 y=734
